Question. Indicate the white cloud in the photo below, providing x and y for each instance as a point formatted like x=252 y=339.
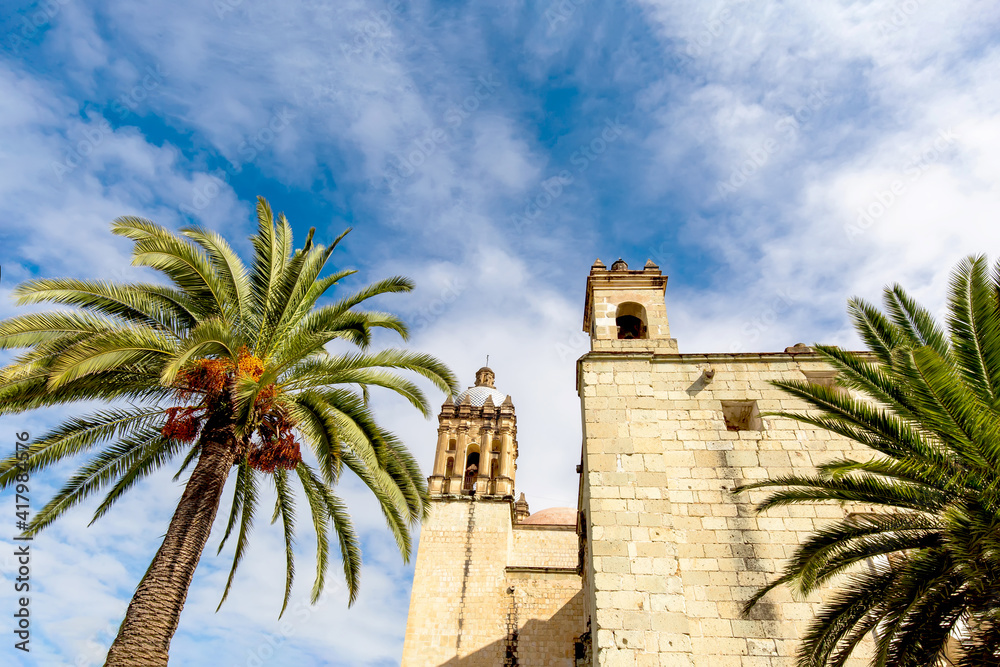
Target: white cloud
x=890 y=94
x=768 y=266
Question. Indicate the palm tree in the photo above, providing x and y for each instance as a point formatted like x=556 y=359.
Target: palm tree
x=923 y=569
x=226 y=368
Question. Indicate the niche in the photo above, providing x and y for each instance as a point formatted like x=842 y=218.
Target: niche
x=630 y=317
x=742 y=416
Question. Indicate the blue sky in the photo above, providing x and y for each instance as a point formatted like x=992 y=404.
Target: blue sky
x=773 y=158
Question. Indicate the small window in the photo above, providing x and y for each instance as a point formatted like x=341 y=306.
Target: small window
x=496 y=444
x=742 y=416
x=450 y=467
x=494 y=469
x=452 y=444
x=630 y=318
x=824 y=379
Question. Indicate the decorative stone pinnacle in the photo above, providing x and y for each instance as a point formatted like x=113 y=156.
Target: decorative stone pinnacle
x=521 y=509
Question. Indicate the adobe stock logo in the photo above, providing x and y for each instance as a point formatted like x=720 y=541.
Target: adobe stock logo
x=434 y=139
x=898 y=17
x=787 y=130
x=249 y=149
x=128 y=102
x=753 y=327
x=93 y=135
x=30 y=27
x=431 y=312
x=554 y=186
x=372 y=37
x=884 y=199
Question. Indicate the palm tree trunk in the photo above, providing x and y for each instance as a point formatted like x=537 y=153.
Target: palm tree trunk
x=155 y=609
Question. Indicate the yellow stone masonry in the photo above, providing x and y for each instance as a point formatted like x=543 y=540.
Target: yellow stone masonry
x=662 y=556
x=672 y=554
x=488 y=593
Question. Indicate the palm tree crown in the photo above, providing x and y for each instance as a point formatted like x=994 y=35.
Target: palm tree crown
x=923 y=564
x=225 y=366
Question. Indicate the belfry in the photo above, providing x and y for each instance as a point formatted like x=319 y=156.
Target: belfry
x=477 y=442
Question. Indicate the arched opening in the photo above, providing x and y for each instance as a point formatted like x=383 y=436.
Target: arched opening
x=631 y=320
x=471 y=469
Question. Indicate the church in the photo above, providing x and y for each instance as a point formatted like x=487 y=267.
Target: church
x=654 y=564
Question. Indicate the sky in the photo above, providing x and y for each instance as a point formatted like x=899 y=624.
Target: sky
x=773 y=158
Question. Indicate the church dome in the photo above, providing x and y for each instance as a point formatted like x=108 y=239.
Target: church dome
x=553 y=516
x=477 y=396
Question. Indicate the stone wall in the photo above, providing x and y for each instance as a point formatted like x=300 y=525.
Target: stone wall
x=673 y=554
x=549 y=610
x=489 y=594
x=457 y=598
x=545 y=546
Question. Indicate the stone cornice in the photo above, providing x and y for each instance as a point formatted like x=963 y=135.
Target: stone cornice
x=542 y=526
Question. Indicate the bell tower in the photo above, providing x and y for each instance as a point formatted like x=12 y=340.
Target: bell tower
x=493 y=584
x=624 y=310
x=477 y=442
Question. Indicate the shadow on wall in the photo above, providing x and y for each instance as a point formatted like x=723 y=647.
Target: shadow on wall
x=537 y=642
x=748 y=547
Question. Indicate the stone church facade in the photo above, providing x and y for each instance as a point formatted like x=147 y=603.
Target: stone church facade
x=653 y=566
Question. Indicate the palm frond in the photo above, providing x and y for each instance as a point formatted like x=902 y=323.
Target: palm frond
x=115 y=461
x=150 y=305
x=284 y=507
x=159 y=347
x=35 y=329
x=80 y=434
x=878 y=333
x=181 y=260
x=335 y=513
x=856 y=604
x=321 y=524
x=322 y=432
x=210 y=338
x=924 y=557
x=974 y=323
x=230 y=270
x=243 y=475
x=123 y=348
x=320 y=371
x=248 y=504
x=915 y=322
